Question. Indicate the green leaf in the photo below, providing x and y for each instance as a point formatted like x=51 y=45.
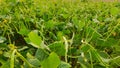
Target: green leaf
x=41 y=54
x=34 y=39
x=85 y=48
x=50 y=24
x=59 y=35
x=64 y=65
x=92 y=33
x=34 y=62
x=27 y=40
x=103 y=54
x=24 y=31
x=79 y=24
x=114 y=10
x=58 y=47
x=110 y=42
x=52 y=61
x=107 y=43
x=2 y=39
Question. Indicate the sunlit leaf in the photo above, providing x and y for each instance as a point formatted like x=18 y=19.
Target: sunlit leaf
x=52 y=61
x=35 y=40
x=114 y=10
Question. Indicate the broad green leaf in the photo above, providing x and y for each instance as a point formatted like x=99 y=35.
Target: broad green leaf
x=92 y=34
x=41 y=54
x=59 y=35
x=103 y=54
x=29 y=55
x=24 y=31
x=34 y=62
x=65 y=16
x=58 y=48
x=52 y=61
x=50 y=24
x=81 y=24
x=75 y=20
x=114 y=10
x=34 y=39
x=78 y=23
x=27 y=40
x=3 y=45
x=85 y=48
x=107 y=43
x=110 y=42
x=64 y=65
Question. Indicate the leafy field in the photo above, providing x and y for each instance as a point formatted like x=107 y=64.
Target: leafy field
x=59 y=34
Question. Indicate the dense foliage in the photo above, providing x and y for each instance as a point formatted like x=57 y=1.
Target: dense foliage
x=59 y=34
